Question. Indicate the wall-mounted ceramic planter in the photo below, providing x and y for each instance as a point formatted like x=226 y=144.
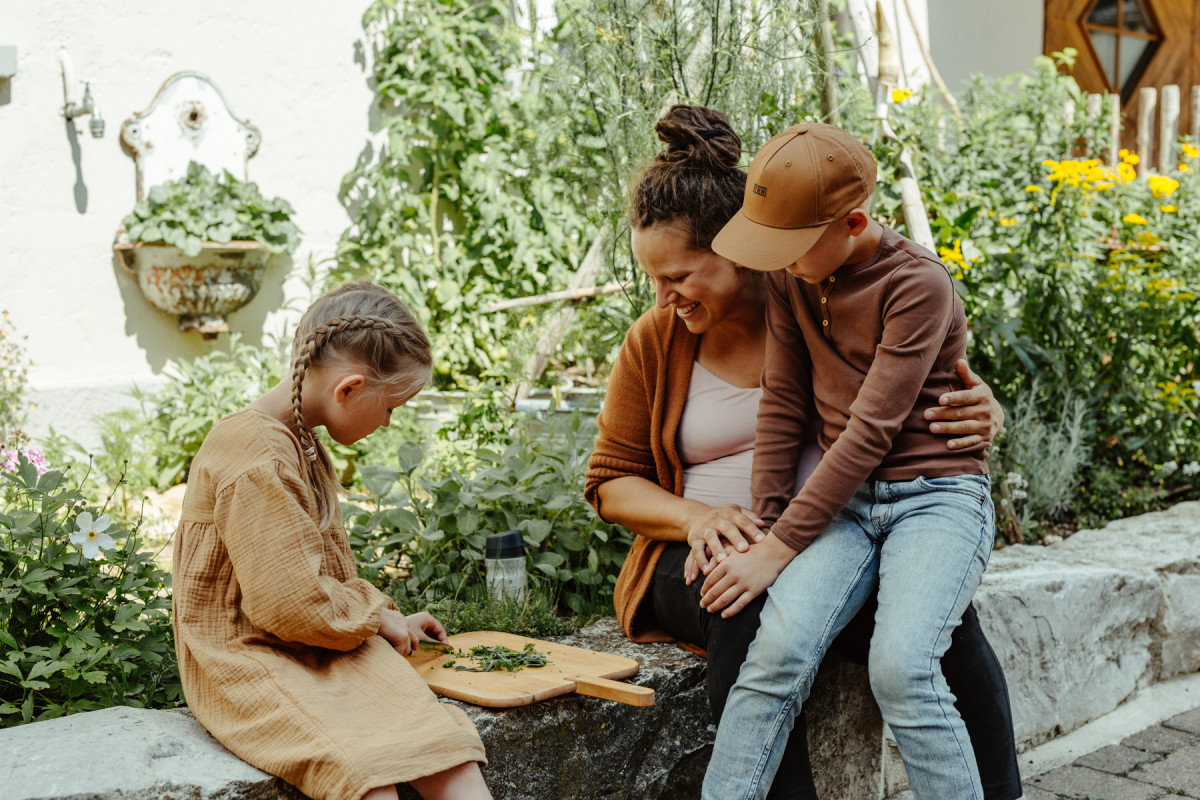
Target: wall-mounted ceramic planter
x=199 y=290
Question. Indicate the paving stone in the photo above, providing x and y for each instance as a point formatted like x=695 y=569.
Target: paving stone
x=1034 y=793
x=1081 y=782
x=1158 y=739
x=1179 y=771
x=1116 y=759
x=1187 y=721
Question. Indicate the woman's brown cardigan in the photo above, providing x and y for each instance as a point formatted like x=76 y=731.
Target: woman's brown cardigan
x=637 y=426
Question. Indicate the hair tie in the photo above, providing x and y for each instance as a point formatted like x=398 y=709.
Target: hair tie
x=311 y=452
x=711 y=132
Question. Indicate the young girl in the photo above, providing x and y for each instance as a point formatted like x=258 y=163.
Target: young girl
x=290 y=660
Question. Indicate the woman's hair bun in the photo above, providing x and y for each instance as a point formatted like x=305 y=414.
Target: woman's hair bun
x=698 y=137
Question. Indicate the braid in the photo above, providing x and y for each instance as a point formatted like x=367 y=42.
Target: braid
x=365 y=325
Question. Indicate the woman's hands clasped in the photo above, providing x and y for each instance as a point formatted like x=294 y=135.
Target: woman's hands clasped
x=712 y=532
x=972 y=415
x=404 y=633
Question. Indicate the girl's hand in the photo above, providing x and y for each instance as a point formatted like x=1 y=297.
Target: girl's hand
x=972 y=414
x=712 y=529
x=403 y=633
x=744 y=576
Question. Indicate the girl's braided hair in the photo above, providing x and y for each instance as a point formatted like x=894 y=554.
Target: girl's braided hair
x=365 y=325
x=695 y=182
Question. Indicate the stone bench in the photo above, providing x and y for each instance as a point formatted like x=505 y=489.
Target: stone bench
x=1078 y=626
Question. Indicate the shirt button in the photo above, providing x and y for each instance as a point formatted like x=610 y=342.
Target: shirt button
x=824 y=299
x=824 y=323
x=831 y=279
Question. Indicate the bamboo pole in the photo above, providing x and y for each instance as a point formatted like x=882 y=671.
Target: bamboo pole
x=829 y=102
x=1168 y=128
x=1094 y=105
x=1114 y=128
x=915 y=215
x=581 y=293
x=1147 y=105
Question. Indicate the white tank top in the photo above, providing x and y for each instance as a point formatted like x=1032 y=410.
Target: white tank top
x=716 y=441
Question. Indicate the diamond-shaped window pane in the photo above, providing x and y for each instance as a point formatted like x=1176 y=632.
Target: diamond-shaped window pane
x=1106 y=52
x=1127 y=15
x=1136 y=18
x=1104 y=13
x=1132 y=50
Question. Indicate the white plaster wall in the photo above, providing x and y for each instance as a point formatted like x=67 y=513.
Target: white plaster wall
x=984 y=37
x=293 y=68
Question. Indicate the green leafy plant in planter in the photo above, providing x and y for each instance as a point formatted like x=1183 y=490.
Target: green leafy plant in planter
x=203 y=207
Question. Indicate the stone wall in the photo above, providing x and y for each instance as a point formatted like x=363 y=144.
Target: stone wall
x=1078 y=626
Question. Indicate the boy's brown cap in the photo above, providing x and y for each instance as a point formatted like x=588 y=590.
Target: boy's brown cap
x=799 y=182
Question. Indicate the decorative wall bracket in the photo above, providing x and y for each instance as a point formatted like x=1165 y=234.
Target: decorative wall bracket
x=188 y=120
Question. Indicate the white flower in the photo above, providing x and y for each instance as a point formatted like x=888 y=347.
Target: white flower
x=1191 y=468
x=90 y=536
x=1169 y=468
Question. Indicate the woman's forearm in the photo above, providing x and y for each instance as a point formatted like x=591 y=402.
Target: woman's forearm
x=646 y=508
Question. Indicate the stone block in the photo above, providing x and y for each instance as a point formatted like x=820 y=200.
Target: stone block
x=1073 y=635
x=1158 y=739
x=127 y=754
x=582 y=747
x=1178 y=772
x=1164 y=544
x=1116 y=759
x=568 y=747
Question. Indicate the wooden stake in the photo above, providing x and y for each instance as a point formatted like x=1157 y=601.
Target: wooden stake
x=1147 y=105
x=581 y=293
x=1114 y=128
x=1168 y=128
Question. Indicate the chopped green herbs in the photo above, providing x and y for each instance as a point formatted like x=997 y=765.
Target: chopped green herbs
x=489 y=658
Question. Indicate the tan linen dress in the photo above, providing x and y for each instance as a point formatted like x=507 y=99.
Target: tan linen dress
x=276 y=635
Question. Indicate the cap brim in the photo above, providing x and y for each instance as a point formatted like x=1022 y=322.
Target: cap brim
x=763 y=248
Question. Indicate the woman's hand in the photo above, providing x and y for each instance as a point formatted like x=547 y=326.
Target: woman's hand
x=710 y=530
x=972 y=414
x=404 y=633
x=744 y=576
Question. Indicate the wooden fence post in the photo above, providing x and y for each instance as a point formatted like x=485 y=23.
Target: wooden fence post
x=1168 y=128
x=1147 y=105
x=1195 y=115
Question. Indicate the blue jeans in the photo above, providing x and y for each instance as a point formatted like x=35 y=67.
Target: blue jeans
x=925 y=542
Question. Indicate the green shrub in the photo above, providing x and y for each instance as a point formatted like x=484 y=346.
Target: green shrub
x=77 y=632
x=535 y=616
x=14 y=374
x=424 y=527
x=1079 y=279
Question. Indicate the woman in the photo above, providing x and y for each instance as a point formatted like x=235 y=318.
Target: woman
x=674 y=452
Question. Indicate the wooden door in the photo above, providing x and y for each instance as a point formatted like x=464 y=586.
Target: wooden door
x=1125 y=45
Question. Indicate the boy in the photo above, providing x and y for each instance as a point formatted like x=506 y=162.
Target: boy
x=863 y=328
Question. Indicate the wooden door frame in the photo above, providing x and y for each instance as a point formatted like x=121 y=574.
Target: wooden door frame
x=1176 y=61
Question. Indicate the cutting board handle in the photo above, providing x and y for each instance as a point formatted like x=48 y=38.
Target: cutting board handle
x=627 y=693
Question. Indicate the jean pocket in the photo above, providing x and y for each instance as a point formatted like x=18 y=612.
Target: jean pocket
x=975 y=486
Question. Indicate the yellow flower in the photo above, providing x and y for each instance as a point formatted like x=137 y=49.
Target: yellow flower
x=901 y=94
x=1168 y=209
x=1032 y=188
x=1161 y=186
x=1189 y=151
x=1005 y=221
x=1182 y=167
x=1134 y=219
x=1128 y=157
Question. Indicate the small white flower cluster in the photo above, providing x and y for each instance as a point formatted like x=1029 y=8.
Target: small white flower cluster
x=1016 y=484
x=1168 y=468
x=1191 y=468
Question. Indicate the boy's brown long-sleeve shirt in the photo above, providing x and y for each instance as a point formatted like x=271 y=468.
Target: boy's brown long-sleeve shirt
x=866 y=351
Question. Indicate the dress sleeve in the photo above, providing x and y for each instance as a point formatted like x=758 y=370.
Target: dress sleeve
x=916 y=317
x=784 y=412
x=277 y=551
x=623 y=441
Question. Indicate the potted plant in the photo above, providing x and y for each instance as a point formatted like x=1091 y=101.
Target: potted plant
x=199 y=245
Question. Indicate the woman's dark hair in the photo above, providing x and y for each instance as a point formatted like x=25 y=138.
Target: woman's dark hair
x=695 y=182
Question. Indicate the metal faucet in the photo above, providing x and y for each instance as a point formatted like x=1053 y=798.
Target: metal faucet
x=86 y=106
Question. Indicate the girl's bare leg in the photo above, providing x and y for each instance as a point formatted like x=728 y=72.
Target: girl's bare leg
x=464 y=782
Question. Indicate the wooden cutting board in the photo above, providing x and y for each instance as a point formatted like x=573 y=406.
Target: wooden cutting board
x=571 y=669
